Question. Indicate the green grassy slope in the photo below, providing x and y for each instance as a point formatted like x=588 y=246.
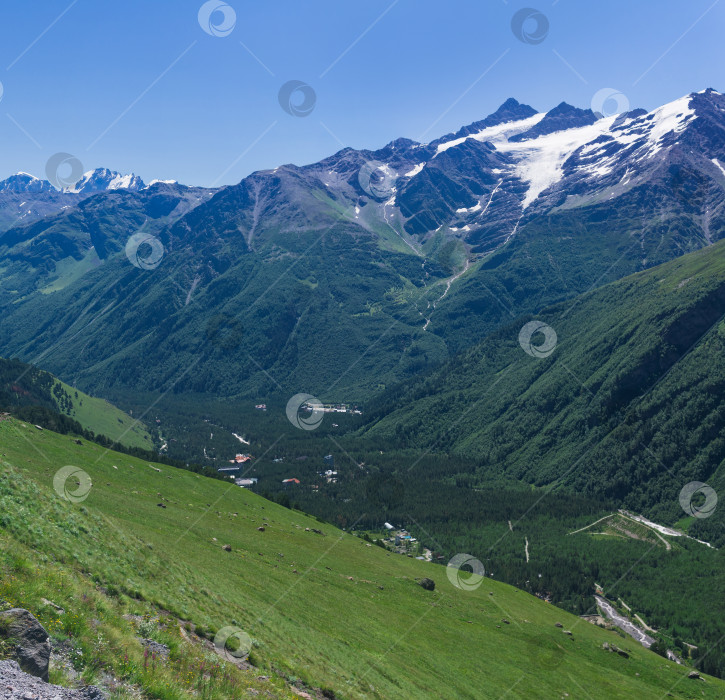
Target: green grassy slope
x=325 y=608
x=103 y=418
x=26 y=386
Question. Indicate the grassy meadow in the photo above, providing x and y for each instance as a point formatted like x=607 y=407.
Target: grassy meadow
x=323 y=610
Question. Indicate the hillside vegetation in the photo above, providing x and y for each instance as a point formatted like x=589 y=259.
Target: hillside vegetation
x=322 y=607
x=42 y=397
x=626 y=406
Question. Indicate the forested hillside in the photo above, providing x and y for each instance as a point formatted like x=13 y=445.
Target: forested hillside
x=625 y=406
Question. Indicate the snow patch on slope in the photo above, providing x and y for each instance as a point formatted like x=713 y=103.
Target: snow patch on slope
x=540 y=161
x=415 y=170
x=670 y=118
x=500 y=132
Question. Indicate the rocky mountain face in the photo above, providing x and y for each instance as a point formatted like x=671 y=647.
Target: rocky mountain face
x=382 y=261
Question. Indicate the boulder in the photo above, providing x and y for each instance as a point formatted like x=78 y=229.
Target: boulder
x=32 y=645
x=155 y=647
x=693 y=674
x=611 y=647
x=227 y=547
x=427 y=583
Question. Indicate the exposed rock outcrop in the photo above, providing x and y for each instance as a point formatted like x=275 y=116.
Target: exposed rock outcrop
x=30 y=641
x=18 y=685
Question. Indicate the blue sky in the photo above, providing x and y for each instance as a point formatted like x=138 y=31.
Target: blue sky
x=140 y=86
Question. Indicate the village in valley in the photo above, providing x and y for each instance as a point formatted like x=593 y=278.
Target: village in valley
x=396 y=539
x=401 y=541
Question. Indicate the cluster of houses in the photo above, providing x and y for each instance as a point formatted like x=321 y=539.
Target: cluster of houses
x=330 y=475
x=234 y=471
x=401 y=541
x=333 y=408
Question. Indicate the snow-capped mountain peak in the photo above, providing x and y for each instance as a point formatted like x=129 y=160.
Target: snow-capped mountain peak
x=102 y=179
x=24 y=182
x=480 y=182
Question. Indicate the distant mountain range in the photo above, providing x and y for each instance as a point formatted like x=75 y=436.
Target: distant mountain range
x=98 y=180
x=344 y=276
x=24 y=197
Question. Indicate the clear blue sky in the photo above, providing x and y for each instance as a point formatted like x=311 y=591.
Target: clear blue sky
x=139 y=86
